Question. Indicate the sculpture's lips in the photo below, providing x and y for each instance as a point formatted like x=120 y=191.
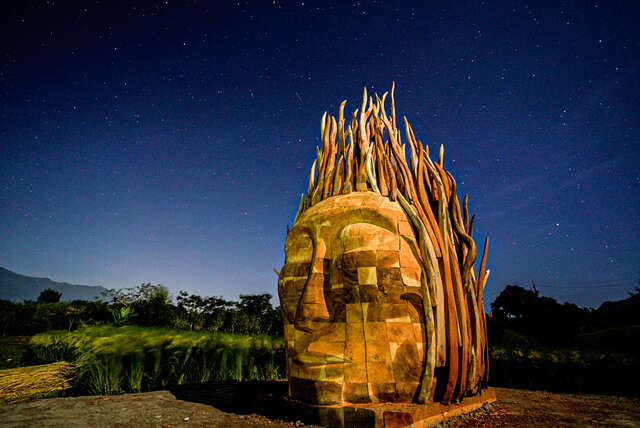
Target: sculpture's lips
x=318 y=359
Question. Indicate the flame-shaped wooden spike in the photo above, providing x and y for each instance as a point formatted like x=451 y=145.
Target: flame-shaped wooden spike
x=473 y=218
x=483 y=265
x=322 y=124
x=393 y=105
x=465 y=218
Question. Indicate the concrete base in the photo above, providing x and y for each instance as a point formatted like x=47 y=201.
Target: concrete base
x=388 y=415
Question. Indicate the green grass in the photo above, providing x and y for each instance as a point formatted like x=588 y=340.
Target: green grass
x=111 y=360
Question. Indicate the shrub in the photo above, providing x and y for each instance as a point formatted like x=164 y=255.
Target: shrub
x=564 y=370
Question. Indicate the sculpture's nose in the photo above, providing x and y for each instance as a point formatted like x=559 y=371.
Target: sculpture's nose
x=313 y=307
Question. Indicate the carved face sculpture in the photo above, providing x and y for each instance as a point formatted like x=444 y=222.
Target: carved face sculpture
x=351 y=298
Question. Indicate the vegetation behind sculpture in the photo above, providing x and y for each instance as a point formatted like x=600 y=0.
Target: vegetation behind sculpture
x=588 y=351
x=147 y=305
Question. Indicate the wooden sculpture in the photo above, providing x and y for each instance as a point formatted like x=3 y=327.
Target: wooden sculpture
x=379 y=294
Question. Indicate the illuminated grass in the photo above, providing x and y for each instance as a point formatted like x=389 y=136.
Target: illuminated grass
x=112 y=360
x=35 y=381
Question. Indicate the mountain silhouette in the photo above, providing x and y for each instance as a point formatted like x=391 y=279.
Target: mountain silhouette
x=16 y=287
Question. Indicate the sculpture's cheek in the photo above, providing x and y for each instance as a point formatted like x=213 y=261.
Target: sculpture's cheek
x=355 y=374
x=407 y=364
x=336 y=304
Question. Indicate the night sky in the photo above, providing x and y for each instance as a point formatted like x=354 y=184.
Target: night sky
x=169 y=142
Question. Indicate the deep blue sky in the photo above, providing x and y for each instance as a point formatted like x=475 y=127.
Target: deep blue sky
x=168 y=142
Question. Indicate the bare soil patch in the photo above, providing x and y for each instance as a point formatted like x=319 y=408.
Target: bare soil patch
x=520 y=408
x=257 y=404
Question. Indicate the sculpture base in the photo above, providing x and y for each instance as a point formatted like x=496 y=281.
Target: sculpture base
x=388 y=415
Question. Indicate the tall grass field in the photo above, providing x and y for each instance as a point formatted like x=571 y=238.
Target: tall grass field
x=112 y=360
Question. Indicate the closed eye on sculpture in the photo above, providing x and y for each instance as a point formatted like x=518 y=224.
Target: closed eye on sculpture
x=367 y=236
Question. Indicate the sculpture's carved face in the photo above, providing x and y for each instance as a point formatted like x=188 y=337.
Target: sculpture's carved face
x=351 y=299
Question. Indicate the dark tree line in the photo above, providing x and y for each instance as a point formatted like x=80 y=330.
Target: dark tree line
x=146 y=305
x=28 y=318
x=519 y=317
x=523 y=318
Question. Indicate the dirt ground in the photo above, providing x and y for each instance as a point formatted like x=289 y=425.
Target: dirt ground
x=256 y=404
x=520 y=408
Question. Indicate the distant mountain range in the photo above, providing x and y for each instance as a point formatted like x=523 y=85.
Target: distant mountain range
x=16 y=287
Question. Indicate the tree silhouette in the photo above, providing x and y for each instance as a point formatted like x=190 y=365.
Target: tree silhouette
x=525 y=312
x=514 y=302
x=255 y=304
x=49 y=296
